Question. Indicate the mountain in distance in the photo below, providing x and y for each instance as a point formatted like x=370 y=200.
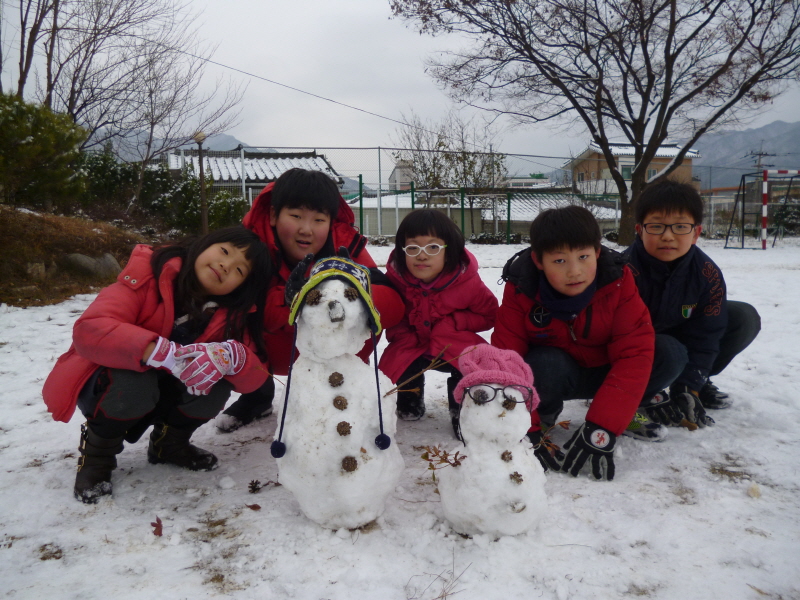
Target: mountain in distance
x=727 y=155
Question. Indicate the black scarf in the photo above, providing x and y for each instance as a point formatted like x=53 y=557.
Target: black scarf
x=564 y=308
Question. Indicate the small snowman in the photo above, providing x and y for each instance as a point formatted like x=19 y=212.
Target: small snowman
x=499 y=487
x=333 y=447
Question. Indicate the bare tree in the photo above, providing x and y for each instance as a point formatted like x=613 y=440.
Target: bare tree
x=471 y=161
x=32 y=23
x=172 y=108
x=422 y=144
x=125 y=70
x=639 y=70
x=93 y=59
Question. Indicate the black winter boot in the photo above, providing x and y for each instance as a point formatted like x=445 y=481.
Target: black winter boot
x=98 y=458
x=169 y=445
x=455 y=407
x=411 y=400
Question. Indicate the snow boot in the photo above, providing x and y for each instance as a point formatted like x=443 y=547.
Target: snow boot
x=98 y=458
x=711 y=397
x=455 y=407
x=247 y=408
x=169 y=445
x=411 y=402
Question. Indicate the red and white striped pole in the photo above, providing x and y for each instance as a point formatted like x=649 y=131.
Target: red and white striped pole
x=764 y=200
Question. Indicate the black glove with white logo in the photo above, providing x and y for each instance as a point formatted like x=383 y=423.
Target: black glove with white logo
x=662 y=409
x=542 y=447
x=297 y=279
x=591 y=442
x=689 y=403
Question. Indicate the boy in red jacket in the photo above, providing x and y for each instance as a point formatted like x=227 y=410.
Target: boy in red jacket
x=302 y=213
x=571 y=309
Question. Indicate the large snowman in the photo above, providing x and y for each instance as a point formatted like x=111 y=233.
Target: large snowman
x=334 y=443
x=499 y=488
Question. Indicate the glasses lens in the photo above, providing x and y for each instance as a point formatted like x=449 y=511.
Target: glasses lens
x=412 y=250
x=481 y=394
x=655 y=228
x=433 y=249
x=517 y=393
x=682 y=228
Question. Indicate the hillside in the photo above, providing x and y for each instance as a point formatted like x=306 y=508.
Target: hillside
x=31 y=266
x=726 y=155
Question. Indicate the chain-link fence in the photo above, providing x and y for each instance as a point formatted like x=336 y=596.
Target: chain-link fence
x=379 y=185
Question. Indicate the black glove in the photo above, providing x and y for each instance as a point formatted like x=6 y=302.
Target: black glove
x=297 y=279
x=343 y=252
x=591 y=442
x=540 y=449
x=689 y=403
x=662 y=409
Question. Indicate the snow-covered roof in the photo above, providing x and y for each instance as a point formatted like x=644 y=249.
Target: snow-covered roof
x=262 y=168
x=619 y=149
x=524 y=206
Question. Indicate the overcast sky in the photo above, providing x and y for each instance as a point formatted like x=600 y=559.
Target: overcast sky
x=352 y=52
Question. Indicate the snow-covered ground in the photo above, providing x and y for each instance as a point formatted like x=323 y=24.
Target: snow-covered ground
x=713 y=513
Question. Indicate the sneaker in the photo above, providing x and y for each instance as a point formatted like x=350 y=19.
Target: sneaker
x=642 y=428
x=711 y=397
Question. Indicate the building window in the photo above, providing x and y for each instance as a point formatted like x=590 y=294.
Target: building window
x=580 y=176
x=651 y=173
x=626 y=172
x=593 y=177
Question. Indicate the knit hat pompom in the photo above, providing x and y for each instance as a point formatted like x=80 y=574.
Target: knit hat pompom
x=487 y=364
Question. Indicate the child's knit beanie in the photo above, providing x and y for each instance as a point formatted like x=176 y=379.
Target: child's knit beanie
x=487 y=364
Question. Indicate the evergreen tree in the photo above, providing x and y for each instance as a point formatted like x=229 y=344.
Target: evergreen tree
x=39 y=155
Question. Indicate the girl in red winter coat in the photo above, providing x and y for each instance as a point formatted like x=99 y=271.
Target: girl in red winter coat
x=165 y=345
x=446 y=304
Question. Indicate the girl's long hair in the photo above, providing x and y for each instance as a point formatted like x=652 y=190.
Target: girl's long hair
x=190 y=296
x=434 y=223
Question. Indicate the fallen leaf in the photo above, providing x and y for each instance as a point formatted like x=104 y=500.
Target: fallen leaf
x=253 y=506
x=158 y=527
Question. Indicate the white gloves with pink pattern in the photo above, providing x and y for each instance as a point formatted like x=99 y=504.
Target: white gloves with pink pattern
x=209 y=363
x=163 y=357
x=198 y=366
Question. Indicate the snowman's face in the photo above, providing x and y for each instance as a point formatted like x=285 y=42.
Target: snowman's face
x=333 y=321
x=495 y=411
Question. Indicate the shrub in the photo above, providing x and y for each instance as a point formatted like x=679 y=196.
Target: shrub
x=39 y=155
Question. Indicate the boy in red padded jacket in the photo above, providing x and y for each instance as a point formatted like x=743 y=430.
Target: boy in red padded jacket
x=302 y=213
x=571 y=309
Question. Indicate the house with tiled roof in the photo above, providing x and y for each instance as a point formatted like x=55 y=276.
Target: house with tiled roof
x=247 y=172
x=591 y=175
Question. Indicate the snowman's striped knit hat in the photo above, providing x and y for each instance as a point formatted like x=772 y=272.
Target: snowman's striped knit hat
x=348 y=271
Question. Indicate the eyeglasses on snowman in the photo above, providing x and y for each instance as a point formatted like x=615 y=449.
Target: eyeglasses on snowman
x=483 y=394
x=430 y=249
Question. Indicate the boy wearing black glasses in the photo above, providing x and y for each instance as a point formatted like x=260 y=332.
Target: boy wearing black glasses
x=696 y=326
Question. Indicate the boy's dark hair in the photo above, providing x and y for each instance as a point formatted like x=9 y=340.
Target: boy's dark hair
x=301 y=188
x=570 y=227
x=669 y=197
x=190 y=296
x=434 y=223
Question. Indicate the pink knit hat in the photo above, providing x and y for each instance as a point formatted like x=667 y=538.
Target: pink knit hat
x=487 y=364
